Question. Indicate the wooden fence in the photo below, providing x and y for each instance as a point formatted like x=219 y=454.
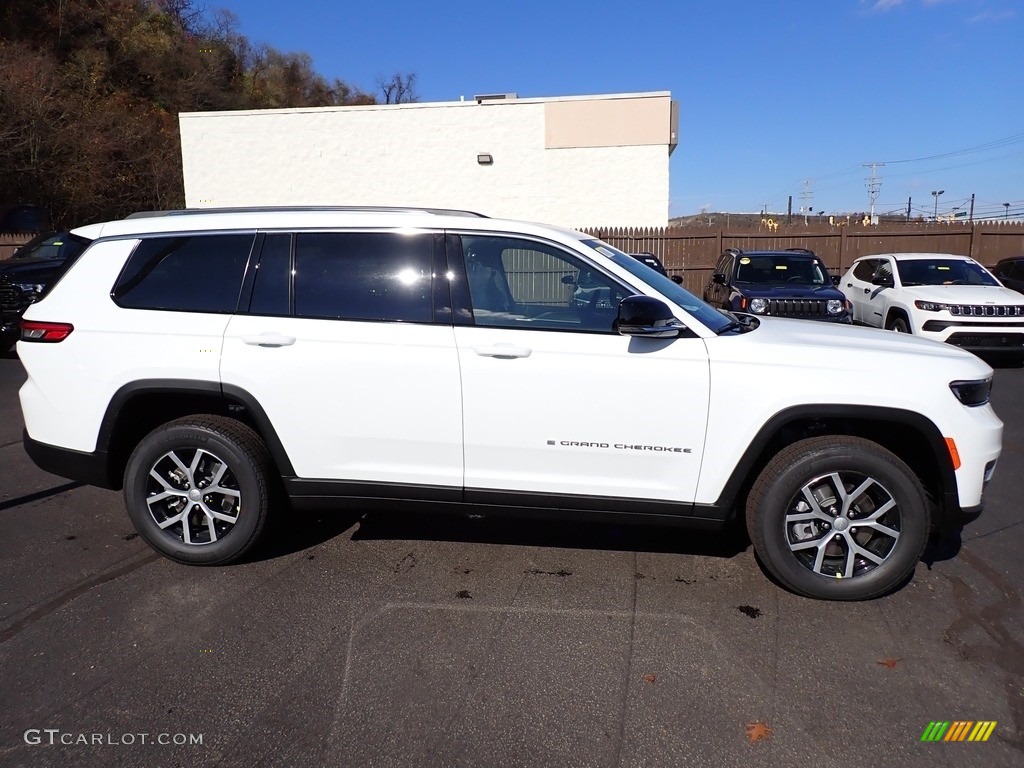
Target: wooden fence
x=692 y=251
x=10 y=242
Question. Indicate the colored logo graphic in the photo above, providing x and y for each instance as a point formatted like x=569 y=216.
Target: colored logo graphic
x=959 y=730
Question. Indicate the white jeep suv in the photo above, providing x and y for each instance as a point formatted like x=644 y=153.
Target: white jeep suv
x=219 y=366
x=938 y=296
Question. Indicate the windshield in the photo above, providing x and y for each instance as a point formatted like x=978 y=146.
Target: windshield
x=779 y=268
x=943 y=272
x=53 y=247
x=707 y=315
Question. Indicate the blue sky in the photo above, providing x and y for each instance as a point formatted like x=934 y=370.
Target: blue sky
x=771 y=94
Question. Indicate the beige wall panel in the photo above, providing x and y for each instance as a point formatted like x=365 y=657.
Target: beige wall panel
x=608 y=122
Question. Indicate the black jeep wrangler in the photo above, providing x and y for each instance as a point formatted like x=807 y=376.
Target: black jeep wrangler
x=790 y=283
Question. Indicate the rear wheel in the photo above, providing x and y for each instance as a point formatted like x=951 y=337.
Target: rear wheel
x=197 y=489
x=838 y=518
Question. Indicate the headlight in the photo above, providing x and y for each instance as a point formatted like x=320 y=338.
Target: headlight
x=930 y=306
x=29 y=287
x=972 y=393
x=759 y=306
x=835 y=306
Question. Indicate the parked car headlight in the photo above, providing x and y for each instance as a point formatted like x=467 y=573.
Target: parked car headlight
x=930 y=306
x=972 y=393
x=758 y=306
x=836 y=306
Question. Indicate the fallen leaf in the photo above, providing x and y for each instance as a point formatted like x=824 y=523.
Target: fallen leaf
x=890 y=663
x=756 y=731
x=650 y=678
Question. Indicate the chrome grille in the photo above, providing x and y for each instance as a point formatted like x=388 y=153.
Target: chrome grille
x=798 y=307
x=10 y=297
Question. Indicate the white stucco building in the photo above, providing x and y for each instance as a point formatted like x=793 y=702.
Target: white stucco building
x=574 y=161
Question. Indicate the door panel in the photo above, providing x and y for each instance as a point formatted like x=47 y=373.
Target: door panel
x=360 y=386
x=554 y=399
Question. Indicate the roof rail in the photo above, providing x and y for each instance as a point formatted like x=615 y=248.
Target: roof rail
x=305 y=208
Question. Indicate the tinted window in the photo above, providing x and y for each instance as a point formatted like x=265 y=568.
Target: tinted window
x=943 y=272
x=863 y=270
x=363 y=276
x=523 y=284
x=201 y=273
x=52 y=247
x=778 y=268
x=270 y=291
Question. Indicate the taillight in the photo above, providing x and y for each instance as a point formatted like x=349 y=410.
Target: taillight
x=32 y=330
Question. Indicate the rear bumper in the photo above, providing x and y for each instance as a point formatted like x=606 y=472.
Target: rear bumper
x=88 y=468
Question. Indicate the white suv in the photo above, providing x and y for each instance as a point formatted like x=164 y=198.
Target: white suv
x=938 y=296
x=393 y=358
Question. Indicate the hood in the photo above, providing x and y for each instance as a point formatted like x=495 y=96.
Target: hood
x=844 y=345
x=964 y=294
x=761 y=291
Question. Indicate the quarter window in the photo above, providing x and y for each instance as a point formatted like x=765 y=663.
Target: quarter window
x=200 y=273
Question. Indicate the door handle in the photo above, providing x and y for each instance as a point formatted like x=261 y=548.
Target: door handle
x=269 y=340
x=503 y=351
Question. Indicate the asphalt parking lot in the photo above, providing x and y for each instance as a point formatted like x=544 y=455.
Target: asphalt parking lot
x=357 y=640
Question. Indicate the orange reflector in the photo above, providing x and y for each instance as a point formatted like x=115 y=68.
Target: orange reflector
x=954 y=455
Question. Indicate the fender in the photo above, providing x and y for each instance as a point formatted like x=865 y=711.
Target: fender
x=744 y=469
x=228 y=392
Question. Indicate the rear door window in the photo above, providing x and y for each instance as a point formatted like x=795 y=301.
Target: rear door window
x=364 y=276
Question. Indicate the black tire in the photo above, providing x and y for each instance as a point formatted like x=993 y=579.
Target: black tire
x=225 y=461
x=899 y=325
x=839 y=548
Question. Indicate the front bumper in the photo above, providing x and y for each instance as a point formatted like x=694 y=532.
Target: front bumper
x=10 y=330
x=976 y=335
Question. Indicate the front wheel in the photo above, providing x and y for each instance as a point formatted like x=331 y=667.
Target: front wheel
x=899 y=325
x=197 y=489
x=838 y=518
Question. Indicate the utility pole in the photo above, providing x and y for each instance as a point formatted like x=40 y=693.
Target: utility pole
x=805 y=198
x=789 y=211
x=936 y=193
x=874 y=183
x=1006 y=215
x=970 y=216
x=908 y=208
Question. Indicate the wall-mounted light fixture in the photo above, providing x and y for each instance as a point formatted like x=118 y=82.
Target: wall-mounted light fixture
x=485 y=159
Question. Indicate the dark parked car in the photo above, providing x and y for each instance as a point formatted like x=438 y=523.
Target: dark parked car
x=1011 y=273
x=654 y=263
x=25 y=276
x=790 y=283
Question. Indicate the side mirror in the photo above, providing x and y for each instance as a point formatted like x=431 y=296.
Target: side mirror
x=568 y=280
x=647 y=316
x=677 y=279
x=836 y=279
x=719 y=278
x=885 y=281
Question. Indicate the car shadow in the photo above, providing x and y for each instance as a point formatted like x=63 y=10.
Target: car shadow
x=561 y=534
x=296 y=531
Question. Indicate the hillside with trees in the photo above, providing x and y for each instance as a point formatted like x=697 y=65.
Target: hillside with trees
x=90 y=94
